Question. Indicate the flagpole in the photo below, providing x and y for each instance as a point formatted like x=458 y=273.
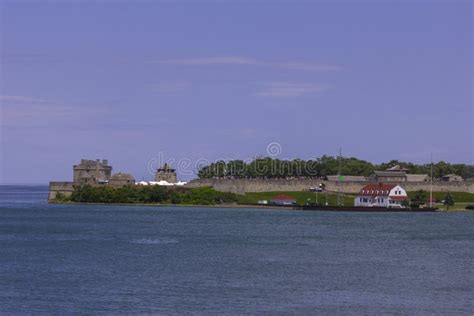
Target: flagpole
x=339 y=179
x=431 y=183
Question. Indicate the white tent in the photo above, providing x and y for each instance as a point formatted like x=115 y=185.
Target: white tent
x=163 y=183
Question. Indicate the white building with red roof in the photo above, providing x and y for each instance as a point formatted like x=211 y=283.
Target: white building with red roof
x=381 y=195
x=283 y=199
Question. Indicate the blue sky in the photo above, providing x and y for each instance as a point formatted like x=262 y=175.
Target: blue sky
x=136 y=82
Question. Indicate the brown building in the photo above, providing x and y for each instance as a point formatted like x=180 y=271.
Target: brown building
x=418 y=177
x=397 y=174
x=452 y=178
x=121 y=179
x=92 y=172
x=166 y=173
x=393 y=174
x=388 y=176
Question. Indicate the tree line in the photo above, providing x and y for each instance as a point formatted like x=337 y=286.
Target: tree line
x=321 y=167
x=148 y=194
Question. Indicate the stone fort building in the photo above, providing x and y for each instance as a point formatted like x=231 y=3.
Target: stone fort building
x=166 y=173
x=92 y=172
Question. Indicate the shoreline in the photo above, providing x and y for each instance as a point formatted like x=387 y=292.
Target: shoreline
x=257 y=206
x=183 y=205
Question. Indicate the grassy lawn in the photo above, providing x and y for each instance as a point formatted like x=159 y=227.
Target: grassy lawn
x=457 y=196
x=301 y=197
x=461 y=206
x=461 y=199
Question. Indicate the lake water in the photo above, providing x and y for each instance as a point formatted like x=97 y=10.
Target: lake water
x=62 y=259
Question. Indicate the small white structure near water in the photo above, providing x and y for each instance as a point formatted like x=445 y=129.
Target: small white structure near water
x=381 y=195
x=161 y=183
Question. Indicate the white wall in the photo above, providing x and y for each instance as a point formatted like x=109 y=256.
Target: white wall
x=377 y=201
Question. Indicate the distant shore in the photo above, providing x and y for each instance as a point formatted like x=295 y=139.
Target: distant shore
x=260 y=206
x=257 y=206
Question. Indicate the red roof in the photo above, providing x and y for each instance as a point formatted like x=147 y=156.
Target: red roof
x=283 y=197
x=398 y=198
x=379 y=189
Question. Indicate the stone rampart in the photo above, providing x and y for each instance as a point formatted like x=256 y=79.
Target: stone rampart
x=260 y=185
x=56 y=187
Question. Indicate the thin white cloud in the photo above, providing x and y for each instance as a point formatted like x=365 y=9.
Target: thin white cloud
x=20 y=58
x=248 y=132
x=239 y=60
x=290 y=89
x=229 y=60
x=26 y=111
x=168 y=87
x=308 y=66
x=17 y=98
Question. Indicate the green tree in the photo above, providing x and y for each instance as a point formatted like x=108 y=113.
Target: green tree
x=418 y=199
x=448 y=201
x=406 y=203
x=150 y=194
x=60 y=197
x=236 y=168
x=325 y=165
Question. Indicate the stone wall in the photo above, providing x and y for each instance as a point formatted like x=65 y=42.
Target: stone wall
x=259 y=185
x=59 y=187
x=241 y=186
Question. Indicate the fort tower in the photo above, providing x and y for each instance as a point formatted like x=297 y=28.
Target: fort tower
x=166 y=173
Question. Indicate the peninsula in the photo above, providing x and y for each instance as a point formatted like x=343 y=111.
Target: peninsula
x=93 y=182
